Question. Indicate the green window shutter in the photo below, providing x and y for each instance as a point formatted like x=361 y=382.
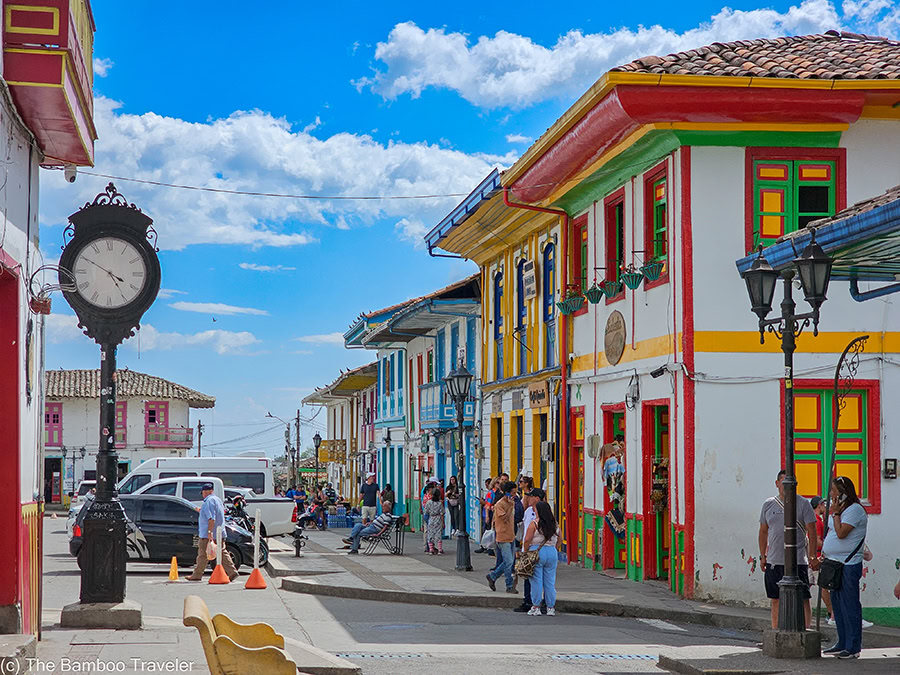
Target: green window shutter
x=814 y=439
x=814 y=191
x=657 y=247
x=772 y=200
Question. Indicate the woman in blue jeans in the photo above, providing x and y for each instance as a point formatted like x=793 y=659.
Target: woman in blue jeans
x=844 y=543
x=543 y=536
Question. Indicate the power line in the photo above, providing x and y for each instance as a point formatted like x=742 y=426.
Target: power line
x=241 y=438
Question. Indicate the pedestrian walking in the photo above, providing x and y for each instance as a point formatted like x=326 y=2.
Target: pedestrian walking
x=368 y=498
x=543 y=536
x=504 y=529
x=771 y=546
x=434 y=531
x=453 y=505
x=212 y=516
x=844 y=547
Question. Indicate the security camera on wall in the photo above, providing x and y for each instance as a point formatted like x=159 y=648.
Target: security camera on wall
x=70 y=172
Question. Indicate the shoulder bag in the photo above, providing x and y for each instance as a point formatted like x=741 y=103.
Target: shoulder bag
x=527 y=561
x=832 y=571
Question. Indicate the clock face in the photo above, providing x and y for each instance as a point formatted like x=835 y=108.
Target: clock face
x=109 y=272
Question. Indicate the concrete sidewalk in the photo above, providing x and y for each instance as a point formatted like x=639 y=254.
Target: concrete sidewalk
x=325 y=569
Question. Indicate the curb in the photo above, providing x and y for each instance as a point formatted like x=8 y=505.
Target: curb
x=684 y=667
x=872 y=638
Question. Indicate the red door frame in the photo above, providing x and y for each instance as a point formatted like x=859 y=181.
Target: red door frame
x=11 y=544
x=577 y=450
x=607 y=553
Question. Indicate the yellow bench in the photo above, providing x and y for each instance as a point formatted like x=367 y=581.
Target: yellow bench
x=237 y=649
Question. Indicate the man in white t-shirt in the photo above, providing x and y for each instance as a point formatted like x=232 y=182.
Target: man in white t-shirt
x=529 y=500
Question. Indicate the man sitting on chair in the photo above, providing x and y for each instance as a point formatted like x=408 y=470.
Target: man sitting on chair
x=359 y=530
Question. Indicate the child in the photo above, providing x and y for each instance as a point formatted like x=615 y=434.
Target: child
x=434 y=530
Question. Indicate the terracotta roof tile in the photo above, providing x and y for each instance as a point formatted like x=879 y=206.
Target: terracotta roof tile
x=130 y=384
x=828 y=56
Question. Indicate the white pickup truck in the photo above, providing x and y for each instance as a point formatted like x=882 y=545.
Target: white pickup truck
x=278 y=514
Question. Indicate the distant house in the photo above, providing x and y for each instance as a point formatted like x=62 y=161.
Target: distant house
x=152 y=419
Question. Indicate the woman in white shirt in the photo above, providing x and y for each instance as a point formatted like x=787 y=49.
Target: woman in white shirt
x=543 y=536
x=844 y=543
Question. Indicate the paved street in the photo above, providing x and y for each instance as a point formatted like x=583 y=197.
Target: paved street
x=380 y=637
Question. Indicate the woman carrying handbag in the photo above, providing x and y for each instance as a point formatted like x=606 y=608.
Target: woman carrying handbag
x=841 y=567
x=542 y=537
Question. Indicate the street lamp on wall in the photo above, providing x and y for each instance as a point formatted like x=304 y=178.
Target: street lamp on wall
x=814 y=268
x=458 y=383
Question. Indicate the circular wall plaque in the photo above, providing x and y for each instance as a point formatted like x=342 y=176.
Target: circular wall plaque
x=614 y=338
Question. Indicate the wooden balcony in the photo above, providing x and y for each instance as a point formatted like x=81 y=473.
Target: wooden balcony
x=158 y=436
x=48 y=48
x=437 y=411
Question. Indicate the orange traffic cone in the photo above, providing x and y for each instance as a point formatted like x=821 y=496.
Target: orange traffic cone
x=173 y=570
x=255 y=580
x=218 y=576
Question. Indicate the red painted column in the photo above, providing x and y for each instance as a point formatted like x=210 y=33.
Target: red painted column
x=10 y=449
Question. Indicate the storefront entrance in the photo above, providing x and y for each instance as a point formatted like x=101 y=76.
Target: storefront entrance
x=53 y=485
x=613 y=543
x=655 y=467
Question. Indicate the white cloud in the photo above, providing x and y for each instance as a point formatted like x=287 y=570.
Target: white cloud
x=265 y=268
x=64 y=328
x=510 y=70
x=517 y=138
x=313 y=125
x=326 y=339
x=222 y=341
x=254 y=151
x=165 y=293
x=102 y=66
x=216 y=308
x=412 y=230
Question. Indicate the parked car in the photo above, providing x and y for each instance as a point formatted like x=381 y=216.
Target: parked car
x=161 y=526
x=184 y=487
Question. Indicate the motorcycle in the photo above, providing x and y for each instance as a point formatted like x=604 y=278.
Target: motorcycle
x=237 y=513
x=300 y=540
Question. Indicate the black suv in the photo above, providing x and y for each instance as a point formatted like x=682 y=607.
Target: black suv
x=161 y=526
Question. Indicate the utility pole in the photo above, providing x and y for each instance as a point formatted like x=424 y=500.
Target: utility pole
x=297 y=474
x=199 y=438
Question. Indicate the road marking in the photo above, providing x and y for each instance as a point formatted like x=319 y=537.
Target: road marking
x=603 y=657
x=663 y=625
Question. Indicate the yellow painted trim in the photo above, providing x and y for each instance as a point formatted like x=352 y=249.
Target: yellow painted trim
x=32 y=31
x=34 y=84
x=880 y=112
x=832 y=342
x=866 y=84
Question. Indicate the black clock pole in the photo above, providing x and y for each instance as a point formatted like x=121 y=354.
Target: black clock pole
x=104 y=554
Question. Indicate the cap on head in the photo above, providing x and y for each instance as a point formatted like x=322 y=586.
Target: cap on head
x=815 y=501
x=536 y=492
x=371 y=474
x=206 y=487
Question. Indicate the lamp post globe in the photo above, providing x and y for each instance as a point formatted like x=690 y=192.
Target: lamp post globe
x=458 y=383
x=761 y=280
x=814 y=269
x=317 y=441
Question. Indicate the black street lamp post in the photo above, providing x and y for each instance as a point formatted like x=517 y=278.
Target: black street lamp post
x=458 y=382
x=317 y=441
x=814 y=269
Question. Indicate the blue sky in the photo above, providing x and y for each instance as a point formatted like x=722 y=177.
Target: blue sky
x=342 y=99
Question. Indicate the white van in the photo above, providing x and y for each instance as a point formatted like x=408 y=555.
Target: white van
x=249 y=472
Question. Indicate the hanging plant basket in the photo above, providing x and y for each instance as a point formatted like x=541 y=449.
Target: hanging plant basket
x=594 y=294
x=652 y=271
x=632 y=278
x=612 y=288
x=564 y=308
x=575 y=302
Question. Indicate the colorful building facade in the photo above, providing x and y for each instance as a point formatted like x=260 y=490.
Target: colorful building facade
x=662 y=175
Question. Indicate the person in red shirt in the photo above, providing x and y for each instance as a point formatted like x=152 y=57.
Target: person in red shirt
x=818 y=505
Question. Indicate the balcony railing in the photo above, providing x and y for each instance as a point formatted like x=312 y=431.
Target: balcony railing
x=436 y=410
x=173 y=437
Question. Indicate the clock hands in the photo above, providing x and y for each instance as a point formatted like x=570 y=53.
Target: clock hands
x=115 y=278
